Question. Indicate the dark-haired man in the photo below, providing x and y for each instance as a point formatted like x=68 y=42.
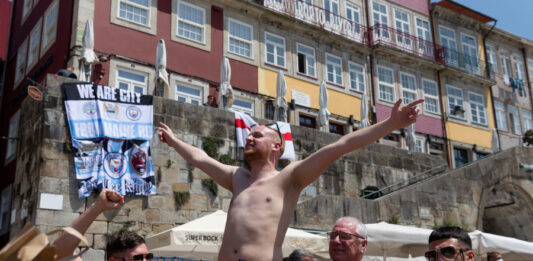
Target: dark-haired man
x=450 y=243
x=264 y=198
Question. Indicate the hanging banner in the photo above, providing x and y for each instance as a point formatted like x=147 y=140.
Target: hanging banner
x=110 y=130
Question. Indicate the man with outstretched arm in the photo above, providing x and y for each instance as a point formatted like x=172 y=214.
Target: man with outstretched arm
x=264 y=199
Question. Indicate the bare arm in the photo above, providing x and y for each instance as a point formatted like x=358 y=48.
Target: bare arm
x=309 y=169
x=221 y=173
x=66 y=244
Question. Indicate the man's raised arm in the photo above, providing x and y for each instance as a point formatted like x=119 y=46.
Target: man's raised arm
x=309 y=169
x=220 y=173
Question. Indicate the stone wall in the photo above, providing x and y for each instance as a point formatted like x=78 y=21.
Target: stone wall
x=45 y=165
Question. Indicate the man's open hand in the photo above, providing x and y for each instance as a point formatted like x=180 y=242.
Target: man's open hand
x=403 y=115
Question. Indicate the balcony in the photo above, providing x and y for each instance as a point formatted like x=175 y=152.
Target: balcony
x=471 y=64
x=320 y=17
x=383 y=35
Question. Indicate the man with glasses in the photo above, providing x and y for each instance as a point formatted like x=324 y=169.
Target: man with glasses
x=122 y=246
x=347 y=240
x=450 y=243
x=264 y=198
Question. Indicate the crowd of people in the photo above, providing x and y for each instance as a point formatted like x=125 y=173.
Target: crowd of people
x=264 y=199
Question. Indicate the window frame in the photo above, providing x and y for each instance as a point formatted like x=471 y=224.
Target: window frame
x=135 y=5
x=131 y=84
x=381 y=15
x=249 y=42
x=527 y=119
x=358 y=77
x=336 y=72
x=11 y=144
x=306 y=116
x=501 y=115
x=518 y=67
x=467 y=151
x=27 y=7
x=431 y=97
x=516 y=127
x=505 y=59
x=492 y=58
x=480 y=114
x=386 y=84
x=453 y=60
x=476 y=66
x=298 y=45
x=403 y=88
x=451 y=115
x=249 y=111
x=402 y=39
x=275 y=53
x=36 y=28
x=188 y=97
x=46 y=41
x=337 y=124
x=203 y=27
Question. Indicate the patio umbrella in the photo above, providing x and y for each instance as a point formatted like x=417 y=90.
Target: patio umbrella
x=225 y=91
x=389 y=240
x=202 y=238
x=281 y=102
x=510 y=248
x=323 y=113
x=410 y=137
x=161 y=74
x=364 y=112
x=87 y=56
x=495 y=142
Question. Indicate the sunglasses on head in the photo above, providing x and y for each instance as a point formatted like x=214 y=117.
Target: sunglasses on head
x=139 y=257
x=448 y=252
x=343 y=235
x=279 y=132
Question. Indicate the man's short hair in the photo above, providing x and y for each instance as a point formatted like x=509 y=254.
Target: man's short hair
x=121 y=241
x=279 y=136
x=492 y=255
x=451 y=232
x=299 y=254
x=360 y=227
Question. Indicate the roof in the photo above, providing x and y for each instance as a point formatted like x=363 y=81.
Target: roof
x=459 y=8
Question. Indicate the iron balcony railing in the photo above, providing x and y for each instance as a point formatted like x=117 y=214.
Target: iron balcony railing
x=320 y=17
x=465 y=62
x=383 y=35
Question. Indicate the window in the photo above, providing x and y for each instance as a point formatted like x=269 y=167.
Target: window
x=357 y=77
x=269 y=110
x=460 y=156
x=11 y=148
x=501 y=120
x=188 y=94
x=491 y=57
x=480 y=155
x=431 y=96
x=470 y=55
x=132 y=81
x=455 y=98
x=307 y=121
x=515 y=119
x=5 y=201
x=425 y=45
x=401 y=22
x=21 y=62
x=447 y=40
x=477 y=108
x=336 y=128
x=380 y=16
x=306 y=59
x=243 y=106
x=331 y=7
x=530 y=68
x=49 y=27
x=419 y=145
x=26 y=9
x=518 y=66
x=407 y=82
x=527 y=121
x=386 y=84
x=240 y=38
x=135 y=11
x=191 y=22
x=334 y=69
x=506 y=65
x=353 y=15
x=33 y=52
x=275 y=49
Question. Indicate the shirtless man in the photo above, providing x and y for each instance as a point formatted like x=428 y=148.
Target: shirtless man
x=264 y=199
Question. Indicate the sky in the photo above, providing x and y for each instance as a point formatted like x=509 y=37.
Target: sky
x=515 y=16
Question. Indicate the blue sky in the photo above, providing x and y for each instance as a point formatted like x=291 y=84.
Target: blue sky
x=515 y=16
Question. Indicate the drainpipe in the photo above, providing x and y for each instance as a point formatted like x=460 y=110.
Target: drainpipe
x=528 y=77
x=447 y=145
x=488 y=72
x=371 y=63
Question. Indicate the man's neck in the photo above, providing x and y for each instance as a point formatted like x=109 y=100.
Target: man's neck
x=262 y=168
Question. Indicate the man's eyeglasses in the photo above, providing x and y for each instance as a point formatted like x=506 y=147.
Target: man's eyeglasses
x=448 y=252
x=343 y=235
x=279 y=133
x=139 y=257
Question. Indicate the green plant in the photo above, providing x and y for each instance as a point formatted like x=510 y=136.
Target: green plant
x=210 y=146
x=226 y=159
x=210 y=185
x=181 y=198
x=528 y=138
x=394 y=219
x=159 y=175
x=449 y=223
x=169 y=163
